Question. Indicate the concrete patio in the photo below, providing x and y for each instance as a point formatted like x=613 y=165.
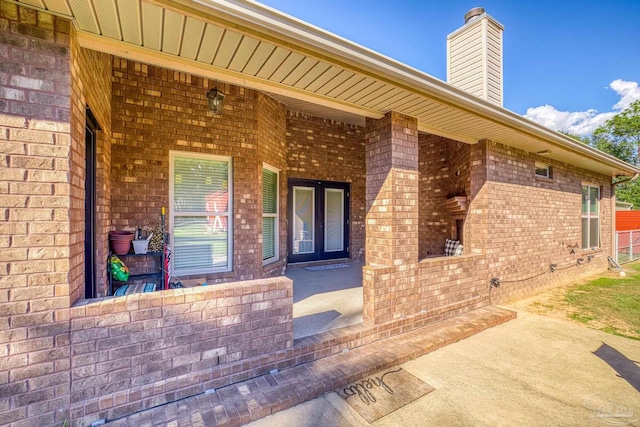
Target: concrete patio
x=533 y=371
x=326 y=299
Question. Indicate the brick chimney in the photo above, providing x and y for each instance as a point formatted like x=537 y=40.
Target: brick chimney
x=474 y=56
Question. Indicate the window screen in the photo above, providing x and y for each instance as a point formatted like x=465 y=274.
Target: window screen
x=269 y=215
x=590 y=217
x=201 y=213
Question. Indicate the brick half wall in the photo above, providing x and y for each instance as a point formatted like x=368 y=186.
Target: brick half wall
x=144 y=350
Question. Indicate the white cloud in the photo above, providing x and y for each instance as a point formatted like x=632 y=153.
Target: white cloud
x=584 y=122
x=628 y=91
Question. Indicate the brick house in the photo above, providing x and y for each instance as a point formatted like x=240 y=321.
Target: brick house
x=324 y=150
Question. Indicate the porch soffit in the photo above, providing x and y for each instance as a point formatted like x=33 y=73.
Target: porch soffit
x=307 y=69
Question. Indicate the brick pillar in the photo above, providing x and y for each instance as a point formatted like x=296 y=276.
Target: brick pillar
x=35 y=203
x=476 y=224
x=392 y=215
x=392 y=190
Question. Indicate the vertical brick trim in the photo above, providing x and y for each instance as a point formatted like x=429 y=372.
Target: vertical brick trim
x=392 y=190
x=389 y=278
x=94 y=74
x=271 y=138
x=35 y=201
x=77 y=166
x=103 y=209
x=477 y=223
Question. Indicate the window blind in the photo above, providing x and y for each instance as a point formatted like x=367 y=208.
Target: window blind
x=201 y=213
x=269 y=214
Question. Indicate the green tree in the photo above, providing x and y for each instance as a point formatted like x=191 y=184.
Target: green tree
x=620 y=137
x=584 y=139
x=625 y=125
x=629 y=192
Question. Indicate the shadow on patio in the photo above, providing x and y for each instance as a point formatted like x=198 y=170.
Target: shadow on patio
x=326 y=299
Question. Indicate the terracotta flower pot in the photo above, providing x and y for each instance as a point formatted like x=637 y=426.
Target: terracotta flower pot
x=120 y=241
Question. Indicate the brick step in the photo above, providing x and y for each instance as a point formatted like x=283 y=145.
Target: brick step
x=456 y=204
x=246 y=401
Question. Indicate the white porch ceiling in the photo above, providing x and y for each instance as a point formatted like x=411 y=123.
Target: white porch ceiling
x=309 y=70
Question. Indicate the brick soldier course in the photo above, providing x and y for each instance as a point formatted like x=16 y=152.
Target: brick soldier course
x=66 y=357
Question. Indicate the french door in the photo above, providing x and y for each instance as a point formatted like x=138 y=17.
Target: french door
x=318 y=220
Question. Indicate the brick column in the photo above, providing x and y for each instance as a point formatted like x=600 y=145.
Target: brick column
x=392 y=190
x=392 y=216
x=476 y=226
x=35 y=204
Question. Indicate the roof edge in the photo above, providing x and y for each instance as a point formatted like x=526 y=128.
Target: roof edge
x=298 y=32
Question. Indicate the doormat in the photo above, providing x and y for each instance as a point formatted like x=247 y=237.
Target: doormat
x=381 y=394
x=326 y=267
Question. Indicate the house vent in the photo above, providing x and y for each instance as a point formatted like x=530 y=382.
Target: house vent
x=474 y=56
x=476 y=12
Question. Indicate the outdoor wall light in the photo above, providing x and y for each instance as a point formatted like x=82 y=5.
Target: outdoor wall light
x=216 y=100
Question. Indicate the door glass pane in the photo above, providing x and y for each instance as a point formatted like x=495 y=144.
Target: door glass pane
x=594 y=234
x=303 y=225
x=593 y=199
x=334 y=220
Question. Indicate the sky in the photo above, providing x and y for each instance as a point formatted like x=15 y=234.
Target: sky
x=569 y=65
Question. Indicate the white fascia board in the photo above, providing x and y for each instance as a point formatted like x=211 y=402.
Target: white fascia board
x=296 y=30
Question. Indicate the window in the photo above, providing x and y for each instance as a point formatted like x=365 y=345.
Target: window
x=201 y=213
x=269 y=214
x=590 y=216
x=543 y=170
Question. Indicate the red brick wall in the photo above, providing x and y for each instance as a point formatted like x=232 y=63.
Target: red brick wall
x=392 y=190
x=271 y=134
x=444 y=171
x=90 y=87
x=330 y=151
x=389 y=280
x=533 y=222
x=451 y=284
x=516 y=226
x=157 y=110
x=144 y=350
x=476 y=225
x=94 y=75
x=35 y=182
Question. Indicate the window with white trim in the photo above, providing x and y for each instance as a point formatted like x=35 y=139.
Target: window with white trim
x=544 y=170
x=201 y=218
x=270 y=181
x=590 y=216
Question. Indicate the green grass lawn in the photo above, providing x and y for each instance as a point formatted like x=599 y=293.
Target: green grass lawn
x=611 y=304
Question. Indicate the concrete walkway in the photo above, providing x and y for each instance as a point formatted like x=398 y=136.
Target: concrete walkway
x=532 y=371
x=326 y=299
